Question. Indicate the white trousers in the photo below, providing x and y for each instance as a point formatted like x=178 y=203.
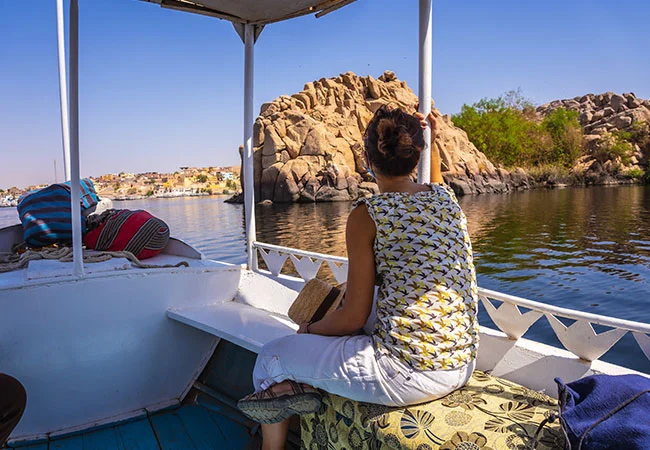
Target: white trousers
x=349 y=366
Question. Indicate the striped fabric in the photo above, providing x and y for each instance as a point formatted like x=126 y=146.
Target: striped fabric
x=137 y=232
x=46 y=214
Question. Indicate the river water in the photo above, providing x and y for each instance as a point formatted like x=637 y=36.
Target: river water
x=585 y=249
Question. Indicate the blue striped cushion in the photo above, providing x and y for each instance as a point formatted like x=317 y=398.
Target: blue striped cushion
x=46 y=214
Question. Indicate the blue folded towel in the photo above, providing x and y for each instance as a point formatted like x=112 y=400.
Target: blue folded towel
x=613 y=411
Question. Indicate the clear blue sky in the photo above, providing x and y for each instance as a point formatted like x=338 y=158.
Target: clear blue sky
x=161 y=89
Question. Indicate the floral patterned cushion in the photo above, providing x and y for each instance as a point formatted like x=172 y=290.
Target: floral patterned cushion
x=489 y=413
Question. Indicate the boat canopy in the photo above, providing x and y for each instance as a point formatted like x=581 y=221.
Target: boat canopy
x=255 y=12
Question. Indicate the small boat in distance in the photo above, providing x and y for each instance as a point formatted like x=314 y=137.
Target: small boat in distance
x=157 y=357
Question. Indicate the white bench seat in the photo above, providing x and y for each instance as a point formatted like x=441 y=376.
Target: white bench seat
x=238 y=323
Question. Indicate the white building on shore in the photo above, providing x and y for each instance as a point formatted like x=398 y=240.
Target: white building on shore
x=8 y=200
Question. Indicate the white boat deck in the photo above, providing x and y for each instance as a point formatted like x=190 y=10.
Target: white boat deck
x=40 y=271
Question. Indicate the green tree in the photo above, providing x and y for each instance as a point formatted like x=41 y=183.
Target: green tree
x=566 y=133
x=132 y=191
x=201 y=178
x=634 y=174
x=515 y=99
x=639 y=134
x=503 y=128
x=507 y=130
x=615 y=145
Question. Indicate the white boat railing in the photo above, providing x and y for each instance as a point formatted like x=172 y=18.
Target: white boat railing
x=579 y=338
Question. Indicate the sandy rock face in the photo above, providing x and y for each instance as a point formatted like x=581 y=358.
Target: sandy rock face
x=309 y=146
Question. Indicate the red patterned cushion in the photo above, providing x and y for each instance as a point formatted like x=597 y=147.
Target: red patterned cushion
x=137 y=232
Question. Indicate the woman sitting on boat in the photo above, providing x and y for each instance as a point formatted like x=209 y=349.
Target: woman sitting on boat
x=412 y=241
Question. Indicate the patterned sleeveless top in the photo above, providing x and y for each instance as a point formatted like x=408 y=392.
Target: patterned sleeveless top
x=427 y=300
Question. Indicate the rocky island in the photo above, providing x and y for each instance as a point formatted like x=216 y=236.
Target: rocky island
x=308 y=146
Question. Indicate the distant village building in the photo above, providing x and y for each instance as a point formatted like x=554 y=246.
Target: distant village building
x=189 y=181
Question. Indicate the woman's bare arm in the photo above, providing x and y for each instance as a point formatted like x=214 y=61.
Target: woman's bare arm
x=360 y=236
x=436 y=163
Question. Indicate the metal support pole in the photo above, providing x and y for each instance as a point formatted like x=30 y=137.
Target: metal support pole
x=249 y=176
x=75 y=188
x=63 y=90
x=424 y=84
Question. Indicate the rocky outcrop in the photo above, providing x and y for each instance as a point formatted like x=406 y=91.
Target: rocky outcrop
x=602 y=116
x=308 y=146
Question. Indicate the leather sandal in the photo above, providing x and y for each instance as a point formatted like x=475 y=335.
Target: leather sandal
x=268 y=407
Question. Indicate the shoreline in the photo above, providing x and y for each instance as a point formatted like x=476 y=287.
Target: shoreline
x=537 y=186
x=144 y=197
x=529 y=186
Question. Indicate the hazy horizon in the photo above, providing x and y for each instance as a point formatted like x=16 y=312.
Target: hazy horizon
x=161 y=89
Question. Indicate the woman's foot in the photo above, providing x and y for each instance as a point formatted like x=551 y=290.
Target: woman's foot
x=280 y=401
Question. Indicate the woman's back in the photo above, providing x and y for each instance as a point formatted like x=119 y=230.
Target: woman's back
x=427 y=300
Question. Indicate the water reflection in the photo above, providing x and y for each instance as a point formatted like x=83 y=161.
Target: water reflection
x=583 y=246
x=315 y=227
x=8 y=216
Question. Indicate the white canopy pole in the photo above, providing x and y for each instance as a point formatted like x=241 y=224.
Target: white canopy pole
x=75 y=188
x=424 y=85
x=249 y=177
x=63 y=90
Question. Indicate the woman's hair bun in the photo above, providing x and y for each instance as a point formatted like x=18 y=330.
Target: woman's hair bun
x=394 y=140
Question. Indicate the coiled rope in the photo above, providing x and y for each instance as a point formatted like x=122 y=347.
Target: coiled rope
x=13 y=261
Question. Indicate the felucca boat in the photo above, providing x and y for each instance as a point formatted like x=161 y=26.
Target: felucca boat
x=119 y=357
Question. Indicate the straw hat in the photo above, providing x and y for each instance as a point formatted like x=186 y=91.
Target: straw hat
x=315 y=300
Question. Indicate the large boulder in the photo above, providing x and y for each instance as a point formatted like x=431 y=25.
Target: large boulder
x=603 y=116
x=309 y=146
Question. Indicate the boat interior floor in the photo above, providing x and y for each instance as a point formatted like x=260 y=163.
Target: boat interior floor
x=187 y=427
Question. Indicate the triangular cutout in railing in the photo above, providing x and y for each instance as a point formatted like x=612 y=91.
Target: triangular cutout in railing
x=274 y=260
x=644 y=342
x=581 y=339
x=340 y=271
x=509 y=318
x=306 y=267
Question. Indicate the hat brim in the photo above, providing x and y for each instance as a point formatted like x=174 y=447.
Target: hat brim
x=315 y=301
